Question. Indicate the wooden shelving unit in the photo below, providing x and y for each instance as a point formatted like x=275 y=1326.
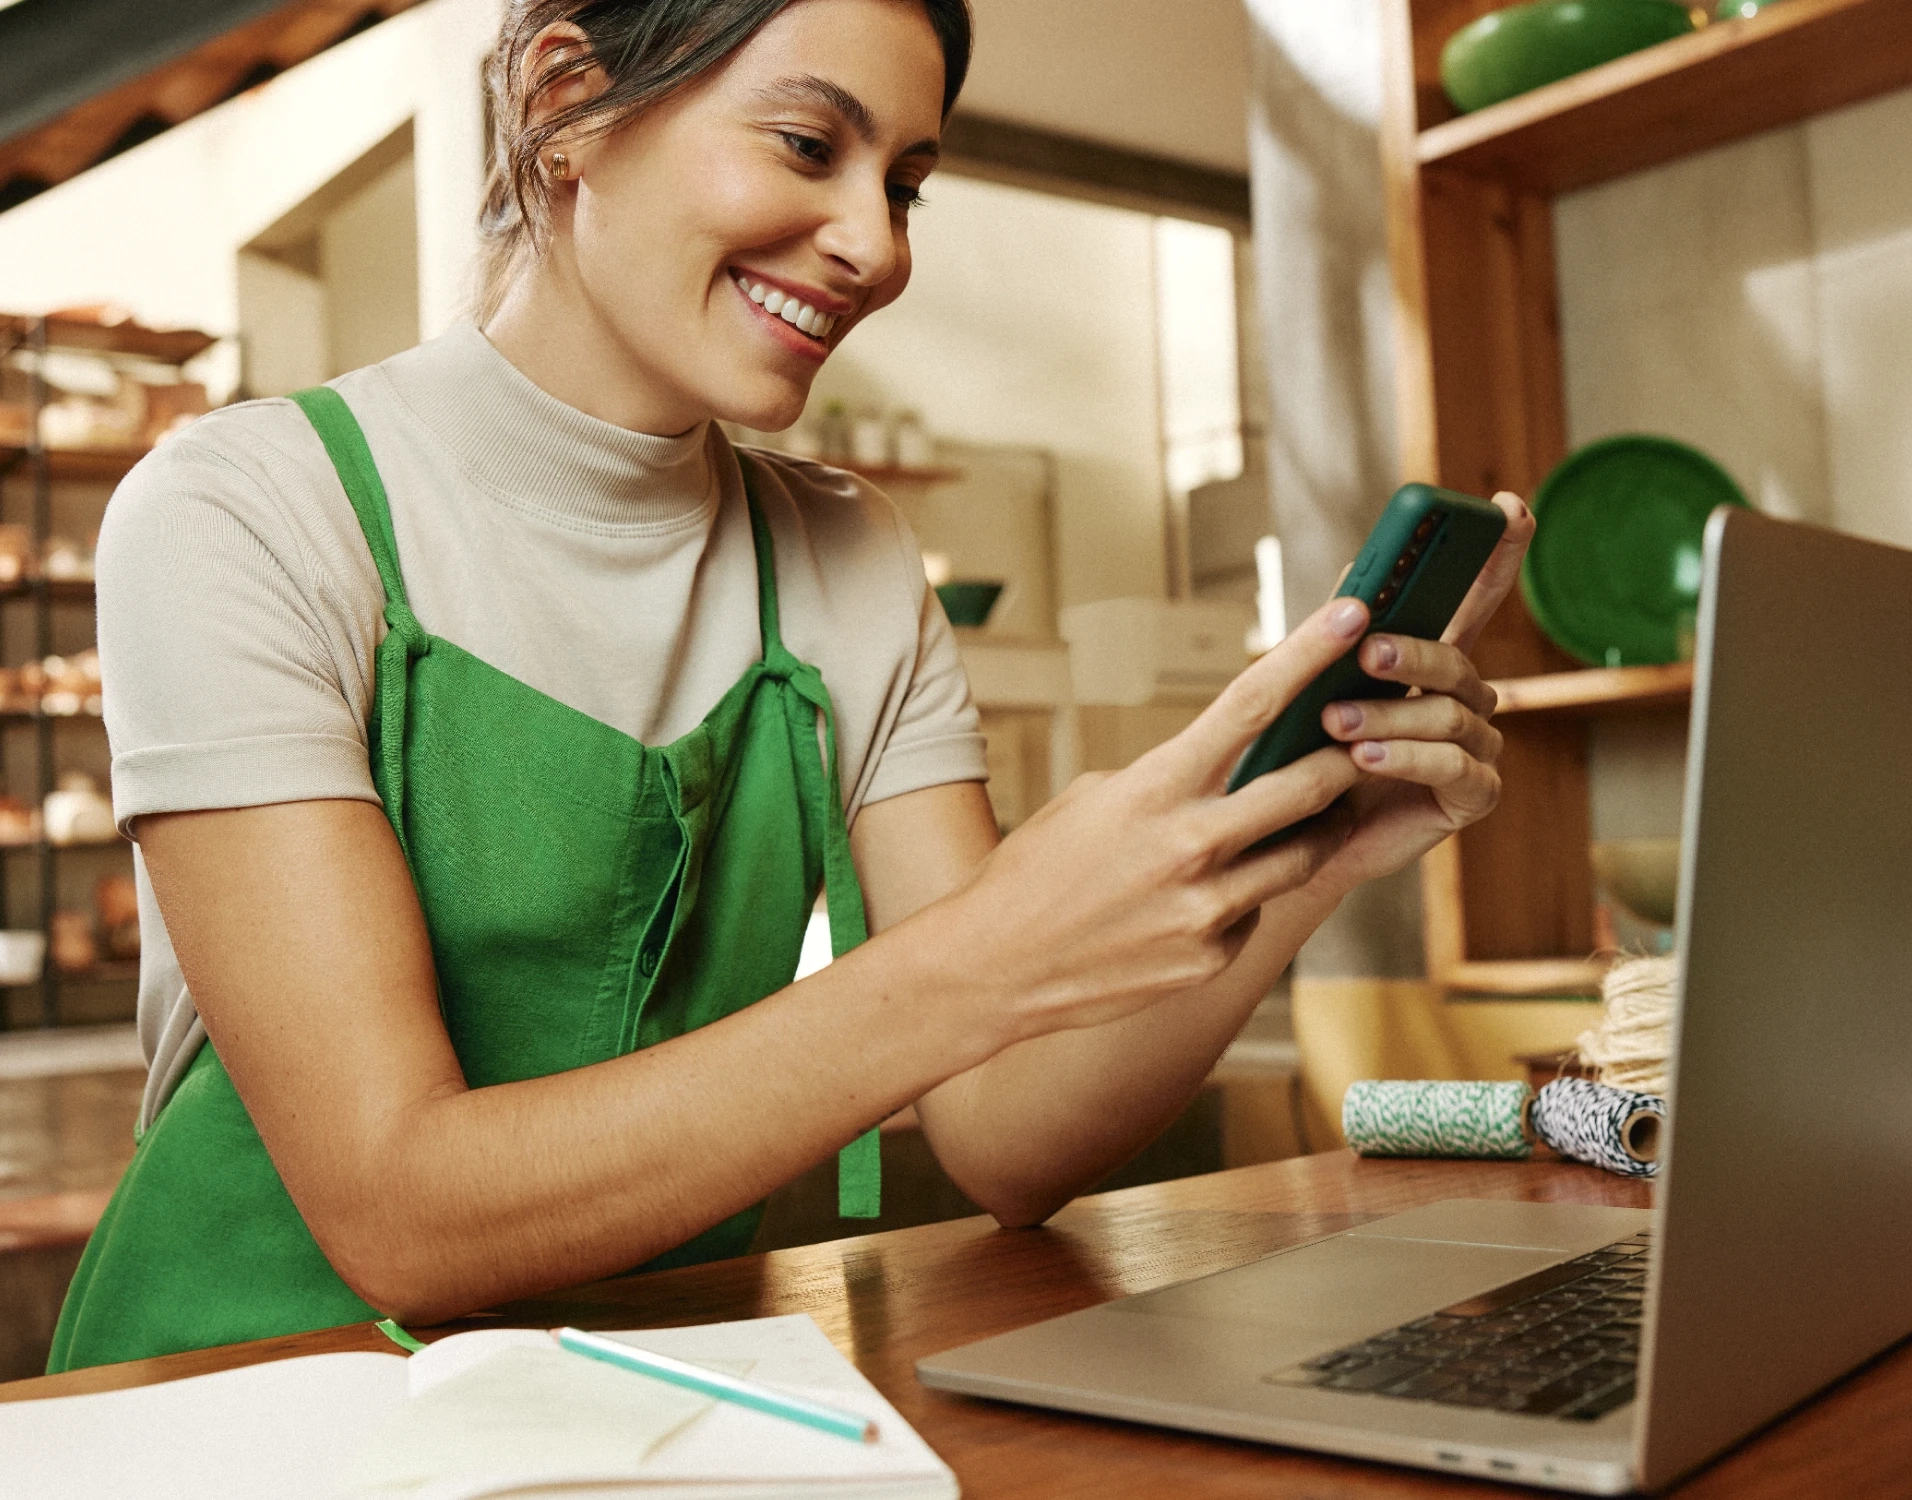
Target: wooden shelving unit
x=881 y=474
x=1596 y=690
x=1509 y=903
x=1723 y=83
x=36 y=469
x=78 y=465
x=63 y=590
x=165 y=346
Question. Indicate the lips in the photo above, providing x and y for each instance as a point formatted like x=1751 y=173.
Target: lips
x=800 y=315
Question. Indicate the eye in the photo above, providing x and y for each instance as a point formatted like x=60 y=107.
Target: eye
x=905 y=196
x=814 y=151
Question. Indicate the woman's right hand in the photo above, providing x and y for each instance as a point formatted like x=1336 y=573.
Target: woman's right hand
x=1135 y=885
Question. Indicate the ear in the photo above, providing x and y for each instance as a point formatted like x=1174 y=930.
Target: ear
x=559 y=44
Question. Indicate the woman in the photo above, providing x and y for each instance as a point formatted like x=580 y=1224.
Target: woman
x=485 y=754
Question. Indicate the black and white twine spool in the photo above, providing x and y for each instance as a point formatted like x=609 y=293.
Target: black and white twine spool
x=1594 y=1122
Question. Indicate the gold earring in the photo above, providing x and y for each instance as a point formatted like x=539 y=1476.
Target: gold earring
x=560 y=165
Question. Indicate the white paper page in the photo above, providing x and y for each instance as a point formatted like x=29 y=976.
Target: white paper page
x=440 y=1361
x=792 y=1354
x=523 y=1414
x=728 y=1444
x=288 y=1429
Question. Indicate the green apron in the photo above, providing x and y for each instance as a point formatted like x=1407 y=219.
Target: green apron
x=586 y=895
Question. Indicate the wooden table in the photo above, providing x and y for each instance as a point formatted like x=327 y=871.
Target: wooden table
x=888 y=1299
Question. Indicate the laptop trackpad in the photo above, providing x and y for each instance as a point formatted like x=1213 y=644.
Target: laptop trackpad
x=1394 y=1269
x=1344 y=1286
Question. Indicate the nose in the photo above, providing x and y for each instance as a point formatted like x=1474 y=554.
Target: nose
x=861 y=235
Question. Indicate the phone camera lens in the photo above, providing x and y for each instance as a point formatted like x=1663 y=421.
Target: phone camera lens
x=1386 y=597
x=1428 y=523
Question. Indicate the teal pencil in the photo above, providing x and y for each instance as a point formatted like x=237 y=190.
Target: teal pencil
x=845 y=1424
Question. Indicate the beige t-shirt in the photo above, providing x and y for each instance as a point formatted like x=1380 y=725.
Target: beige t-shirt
x=239 y=608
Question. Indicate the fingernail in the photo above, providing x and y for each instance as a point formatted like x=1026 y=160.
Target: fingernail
x=1347 y=718
x=1346 y=618
x=1373 y=753
x=1386 y=654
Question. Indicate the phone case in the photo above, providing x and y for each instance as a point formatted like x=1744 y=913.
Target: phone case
x=1413 y=572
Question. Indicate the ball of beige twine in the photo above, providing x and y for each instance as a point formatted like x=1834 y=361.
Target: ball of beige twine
x=1630 y=1046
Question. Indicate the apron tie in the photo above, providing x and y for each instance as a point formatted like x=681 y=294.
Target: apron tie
x=859 y=1164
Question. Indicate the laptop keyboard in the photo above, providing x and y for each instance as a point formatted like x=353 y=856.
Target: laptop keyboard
x=1563 y=1342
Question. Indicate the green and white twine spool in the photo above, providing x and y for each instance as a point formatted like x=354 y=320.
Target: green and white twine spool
x=1392 y=1117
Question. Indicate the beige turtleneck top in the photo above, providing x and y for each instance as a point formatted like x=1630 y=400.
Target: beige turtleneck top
x=239 y=608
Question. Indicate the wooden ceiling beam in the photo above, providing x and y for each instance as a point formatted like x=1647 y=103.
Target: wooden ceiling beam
x=170 y=95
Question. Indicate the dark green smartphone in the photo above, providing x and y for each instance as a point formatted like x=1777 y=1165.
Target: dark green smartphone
x=1415 y=568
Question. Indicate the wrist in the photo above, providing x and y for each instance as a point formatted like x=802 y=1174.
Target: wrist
x=940 y=966
x=1312 y=904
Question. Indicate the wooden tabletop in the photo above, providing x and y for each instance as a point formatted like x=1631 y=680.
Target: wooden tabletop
x=888 y=1299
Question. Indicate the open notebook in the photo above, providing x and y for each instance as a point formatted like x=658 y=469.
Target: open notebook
x=497 y=1412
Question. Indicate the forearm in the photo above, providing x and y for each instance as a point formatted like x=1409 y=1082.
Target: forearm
x=488 y=1194
x=1040 y=1122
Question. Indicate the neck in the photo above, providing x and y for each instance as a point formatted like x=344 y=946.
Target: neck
x=548 y=328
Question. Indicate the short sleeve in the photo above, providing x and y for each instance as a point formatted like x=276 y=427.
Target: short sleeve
x=235 y=674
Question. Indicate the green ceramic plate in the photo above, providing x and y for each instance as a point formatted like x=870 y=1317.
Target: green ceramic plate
x=1613 y=575
x=1521 y=48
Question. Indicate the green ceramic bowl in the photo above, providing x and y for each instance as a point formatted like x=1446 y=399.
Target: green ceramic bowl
x=1512 y=51
x=968 y=602
x=1613 y=574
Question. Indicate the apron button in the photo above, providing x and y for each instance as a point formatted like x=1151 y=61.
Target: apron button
x=647 y=961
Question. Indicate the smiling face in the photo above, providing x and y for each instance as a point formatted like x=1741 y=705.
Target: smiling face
x=708 y=255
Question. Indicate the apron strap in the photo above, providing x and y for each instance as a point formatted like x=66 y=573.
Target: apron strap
x=405 y=638
x=859 y=1164
x=351 y=455
x=767 y=617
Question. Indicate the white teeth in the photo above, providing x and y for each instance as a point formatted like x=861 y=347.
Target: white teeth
x=797 y=313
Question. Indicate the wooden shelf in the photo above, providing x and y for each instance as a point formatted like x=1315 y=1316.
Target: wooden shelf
x=1725 y=82
x=1525 y=977
x=113 y=971
x=171 y=346
x=34 y=715
x=897 y=473
x=77 y=465
x=1596 y=690
x=60 y=590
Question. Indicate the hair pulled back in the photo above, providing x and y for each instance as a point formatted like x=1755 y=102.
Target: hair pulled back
x=648 y=49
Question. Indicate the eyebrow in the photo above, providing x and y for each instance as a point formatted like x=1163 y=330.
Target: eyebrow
x=807 y=88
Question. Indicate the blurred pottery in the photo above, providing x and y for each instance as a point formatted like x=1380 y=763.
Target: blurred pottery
x=969 y=601
x=1526 y=46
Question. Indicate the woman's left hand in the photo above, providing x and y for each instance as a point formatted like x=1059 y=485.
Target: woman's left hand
x=1432 y=756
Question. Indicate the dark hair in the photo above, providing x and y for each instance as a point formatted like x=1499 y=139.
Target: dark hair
x=649 y=49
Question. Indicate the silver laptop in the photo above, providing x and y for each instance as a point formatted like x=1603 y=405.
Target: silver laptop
x=1776 y=1258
